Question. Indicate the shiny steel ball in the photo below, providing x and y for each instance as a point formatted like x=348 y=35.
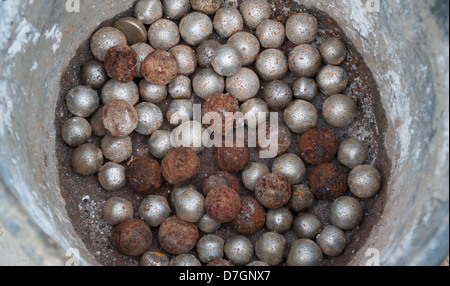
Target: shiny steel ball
x=205 y=53
x=208 y=7
x=190 y=206
x=93 y=74
x=339 y=110
x=185 y=260
x=332 y=80
x=352 y=153
x=258 y=264
x=243 y=85
x=176 y=9
x=208 y=225
x=255 y=110
x=277 y=94
x=255 y=12
x=305 y=88
x=272 y=64
x=300 y=116
x=186 y=59
x=227 y=60
x=181 y=87
x=290 y=166
x=150 y=118
x=271 y=34
x=239 y=250
x=163 y=34
x=195 y=28
x=116 y=210
x=302 y=198
x=117 y=149
x=76 y=131
x=180 y=110
x=152 y=93
x=82 y=101
x=307 y=225
x=207 y=83
x=179 y=191
x=301 y=28
x=305 y=61
x=114 y=90
x=87 y=159
x=333 y=51
x=304 y=252
x=154 y=259
x=252 y=173
x=248 y=45
x=142 y=50
x=104 y=39
x=346 y=213
x=189 y=135
x=209 y=248
x=97 y=124
x=279 y=220
x=148 y=11
x=332 y=241
x=228 y=21
x=159 y=144
x=154 y=210
x=112 y=176
x=365 y=181
x=271 y=248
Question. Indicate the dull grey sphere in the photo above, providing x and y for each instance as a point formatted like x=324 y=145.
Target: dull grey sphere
x=300 y=116
x=114 y=90
x=142 y=50
x=181 y=87
x=255 y=111
x=304 y=252
x=301 y=28
x=255 y=12
x=339 y=110
x=185 y=260
x=272 y=64
x=332 y=241
x=271 y=34
x=159 y=144
x=190 y=206
x=153 y=93
x=155 y=259
x=252 y=173
x=305 y=61
x=248 y=45
x=176 y=9
x=307 y=225
x=208 y=225
x=302 y=198
x=352 y=153
x=112 y=176
x=277 y=94
x=207 y=83
x=243 y=85
x=163 y=34
x=93 y=74
x=195 y=28
x=332 y=80
x=186 y=59
x=291 y=166
x=209 y=248
x=206 y=52
x=228 y=21
x=154 y=210
x=346 y=213
x=227 y=60
x=279 y=220
x=87 y=159
x=180 y=110
x=239 y=250
x=82 y=101
x=148 y=11
x=271 y=248
x=365 y=181
x=117 y=149
x=104 y=39
x=305 y=88
x=150 y=118
x=116 y=210
x=333 y=51
x=76 y=131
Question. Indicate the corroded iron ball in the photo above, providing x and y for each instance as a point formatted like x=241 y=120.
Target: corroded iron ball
x=133 y=237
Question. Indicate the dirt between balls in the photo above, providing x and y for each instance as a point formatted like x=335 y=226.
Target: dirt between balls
x=85 y=197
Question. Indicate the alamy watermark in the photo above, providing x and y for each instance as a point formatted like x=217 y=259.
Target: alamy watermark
x=73 y=257
x=373 y=256
x=373 y=6
x=73 y=6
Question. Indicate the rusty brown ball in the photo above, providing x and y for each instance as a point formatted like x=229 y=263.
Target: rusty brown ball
x=318 y=146
x=220 y=179
x=273 y=191
x=223 y=204
x=144 y=175
x=329 y=181
x=160 y=67
x=251 y=218
x=232 y=159
x=177 y=236
x=221 y=104
x=180 y=165
x=121 y=63
x=119 y=118
x=133 y=237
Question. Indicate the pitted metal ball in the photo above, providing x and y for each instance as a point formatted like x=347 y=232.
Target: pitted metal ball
x=272 y=64
x=243 y=85
x=185 y=260
x=291 y=166
x=228 y=21
x=252 y=173
x=154 y=210
x=87 y=159
x=333 y=51
x=154 y=259
x=365 y=181
x=180 y=110
x=195 y=28
x=339 y=110
x=181 y=87
x=302 y=198
x=305 y=61
x=239 y=250
x=205 y=53
x=114 y=90
x=176 y=9
x=209 y=248
x=150 y=118
x=93 y=74
x=248 y=45
x=332 y=241
x=279 y=220
x=116 y=210
x=148 y=11
x=300 y=116
x=208 y=225
x=305 y=88
x=189 y=135
x=271 y=34
x=190 y=206
x=163 y=34
x=159 y=144
x=255 y=12
x=332 y=80
x=277 y=94
x=208 y=7
x=271 y=248
x=255 y=110
x=82 y=101
x=117 y=149
x=227 y=60
x=153 y=93
x=346 y=213
x=76 y=131
x=112 y=176
x=352 y=153
x=142 y=50
x=301 y=28
x=207 y=82
x=304 y=252
x=186 y=59
x=104 y=39
x=307 y=225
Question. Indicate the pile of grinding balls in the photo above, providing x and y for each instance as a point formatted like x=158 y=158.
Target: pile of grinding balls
x=205 y=68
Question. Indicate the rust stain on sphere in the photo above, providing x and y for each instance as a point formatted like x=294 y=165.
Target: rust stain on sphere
x=144 y=175
x=251 y=218
x=220 y=179
x=133 y=237
x=221 y=104
x=273 y=191
x=232 y=159
x=221 y=263
x=329 y=181
x=119 y=118
x=318 y=146
x=160 y=67
x=121 y=63
x=180 y=165
x=177 y=237
x=223 y=204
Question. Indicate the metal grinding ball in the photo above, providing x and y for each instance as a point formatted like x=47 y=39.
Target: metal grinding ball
x=195 y=28
x=252 y=173
x=253 y=110
x=302 y=198
x=255 y=12
x=271 y=34
x=185 y=260
x=154 y=259
x=277 y=94
x=272 y=64
x=273 y=191
x=180 y=110
x=87 y=159
x=232 y=159
x=82 y=101
x=251 y=218
x=176 y=9
x=117 y=149
x=150 y=118
x=329 y=181
x=148 y=11
x=339 y=110
x=258 y=264
x=271 y=248
x=115 y=90
x=333 y=51
x=133 y=237
x=304 y=252
x=365 y=181
x=93 y=74
x=76 y=131
x=159 y=144
x=284 y=137
x=248 y=45
x=301 y=28
x=180 y=165
x=205 y=53
x=210 y=248
x=307 y=225
x=305 y=88
x=142 y=50
x=181 y=87
x=153 y=93
x=177 y=236
x=220 y=179
x=300 y=116
x=207 y=82
x=305 y=61
x=133 y=29
x=144 y=175
x=119 y=118
x=190 y=206
x=186 y=59
x=243 y=85
x=228 y=21
x=227 y=60
x=223 y=204
x=239 y=250
x=97 y=124
x=279 y=220
x=121 y=63
x=154 y=210
x=220 y=105
x=290 y=166
x=352 y=153
x=208 y=225
x=346 y=213
x=180 y=190
x=116 y=210
x=332 y=241
x=163 y=35
x=112 y=177
x=318 y=146
x=160 y=67
x=332 y=80
x=208 y=7
x=104 y=39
